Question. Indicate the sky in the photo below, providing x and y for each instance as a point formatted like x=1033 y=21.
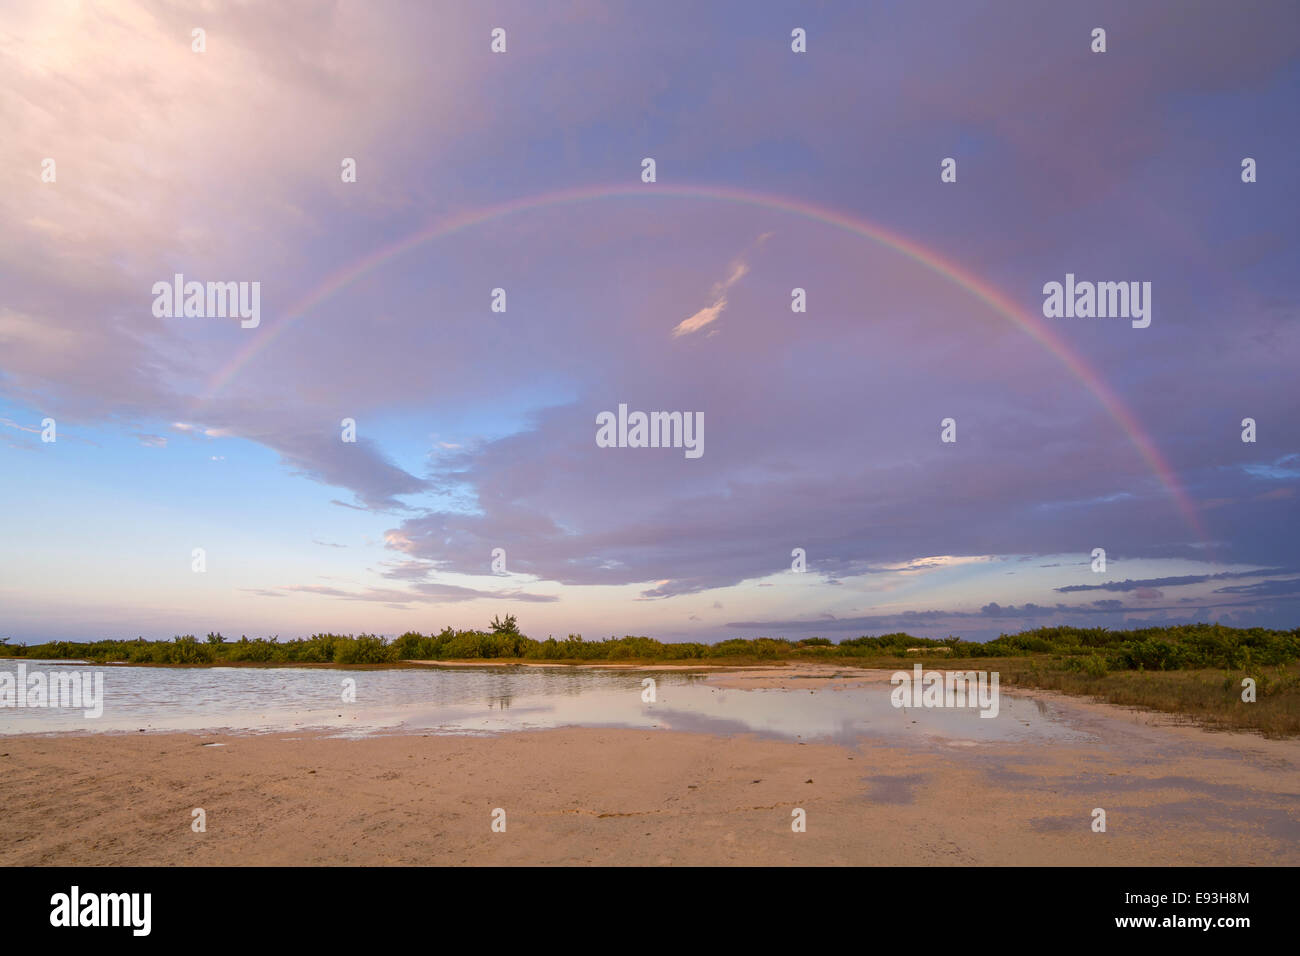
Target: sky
x=200 y=478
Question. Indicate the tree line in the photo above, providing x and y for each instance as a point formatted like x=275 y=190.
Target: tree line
x=1094 y=651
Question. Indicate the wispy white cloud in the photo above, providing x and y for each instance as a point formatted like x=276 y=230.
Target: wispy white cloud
x=737 y=270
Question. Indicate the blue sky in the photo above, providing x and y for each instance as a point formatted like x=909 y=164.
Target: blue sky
x=476 y=430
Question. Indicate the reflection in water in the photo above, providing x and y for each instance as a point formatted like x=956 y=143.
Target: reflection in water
x=494 y=700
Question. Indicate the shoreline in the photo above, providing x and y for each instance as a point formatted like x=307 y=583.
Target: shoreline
x=1174 y=794
x=407 y=664
x=772 y=673
x=789 y=677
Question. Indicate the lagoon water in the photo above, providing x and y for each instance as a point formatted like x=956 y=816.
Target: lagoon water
x=466 y=700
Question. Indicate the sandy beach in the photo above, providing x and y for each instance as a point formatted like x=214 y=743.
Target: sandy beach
x=1173 y=795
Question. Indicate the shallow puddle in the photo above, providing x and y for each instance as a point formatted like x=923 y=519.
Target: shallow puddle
x=496 y=700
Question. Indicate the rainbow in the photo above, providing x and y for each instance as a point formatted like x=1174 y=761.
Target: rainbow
x=1030 y=324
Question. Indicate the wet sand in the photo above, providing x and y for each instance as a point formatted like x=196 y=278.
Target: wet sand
x=1173 y=795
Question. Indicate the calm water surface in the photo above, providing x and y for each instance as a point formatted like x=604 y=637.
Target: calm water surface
x=494 y=700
